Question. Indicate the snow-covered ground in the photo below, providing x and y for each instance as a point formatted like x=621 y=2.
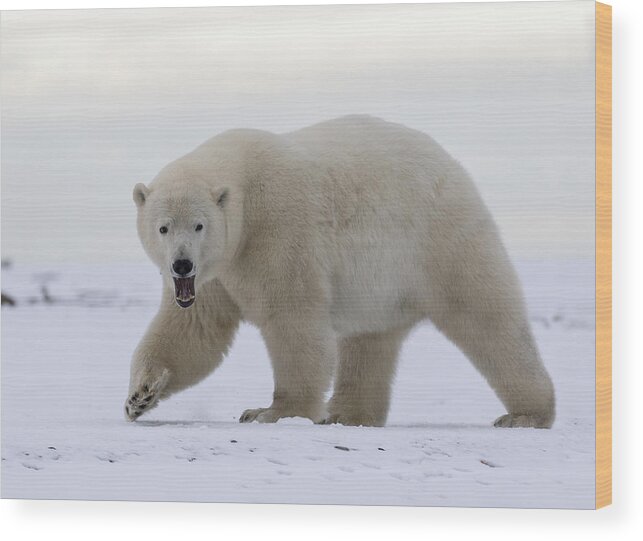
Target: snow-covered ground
x=65 y=367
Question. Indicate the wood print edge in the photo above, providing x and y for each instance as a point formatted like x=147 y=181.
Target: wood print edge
x=603 y=255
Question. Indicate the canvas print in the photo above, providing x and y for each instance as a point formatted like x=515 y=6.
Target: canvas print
x=316 y=254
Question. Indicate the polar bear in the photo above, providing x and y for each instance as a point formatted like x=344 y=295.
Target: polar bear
x=335 y=241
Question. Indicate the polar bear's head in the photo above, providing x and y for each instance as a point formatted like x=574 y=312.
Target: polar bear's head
x=183 y=228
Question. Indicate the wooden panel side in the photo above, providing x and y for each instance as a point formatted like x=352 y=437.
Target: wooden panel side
x=603 y=255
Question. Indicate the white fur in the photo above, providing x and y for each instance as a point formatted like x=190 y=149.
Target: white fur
x=335 y=241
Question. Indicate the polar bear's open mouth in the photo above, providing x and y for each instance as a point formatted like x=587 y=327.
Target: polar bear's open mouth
x=184 y=291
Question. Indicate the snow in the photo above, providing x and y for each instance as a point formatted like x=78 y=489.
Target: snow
x=65 y=368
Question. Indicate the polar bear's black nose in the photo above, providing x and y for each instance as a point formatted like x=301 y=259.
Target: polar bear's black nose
x=182 y=267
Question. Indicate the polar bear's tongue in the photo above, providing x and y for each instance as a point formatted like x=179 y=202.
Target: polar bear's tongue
x=184 y=291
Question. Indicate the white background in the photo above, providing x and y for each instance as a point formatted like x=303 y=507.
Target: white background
x=97 y=520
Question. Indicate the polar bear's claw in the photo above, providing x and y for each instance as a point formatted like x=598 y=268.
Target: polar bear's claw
x=249 y=415
x=137 y=405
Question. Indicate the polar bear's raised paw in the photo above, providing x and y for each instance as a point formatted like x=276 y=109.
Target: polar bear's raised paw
x=145 y=397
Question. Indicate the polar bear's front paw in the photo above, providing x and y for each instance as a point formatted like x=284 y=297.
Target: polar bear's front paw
x=262 y=415
x=272 y=414
x=510 y=420
x=349 y=412
x=145 y=397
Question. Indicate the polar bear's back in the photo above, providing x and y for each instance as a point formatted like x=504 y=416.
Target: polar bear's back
x=377 y=147
x=377 y=174
x=368 y=163
x=354 y=131
x=399 y=205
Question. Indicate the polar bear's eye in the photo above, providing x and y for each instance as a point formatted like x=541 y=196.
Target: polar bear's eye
x=163 y=230
x=198 y=227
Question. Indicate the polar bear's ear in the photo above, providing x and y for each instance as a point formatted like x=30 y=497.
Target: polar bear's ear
x=140 y=194
x=220 y=197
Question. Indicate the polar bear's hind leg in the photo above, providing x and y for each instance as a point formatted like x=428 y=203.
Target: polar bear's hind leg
x=500 y=345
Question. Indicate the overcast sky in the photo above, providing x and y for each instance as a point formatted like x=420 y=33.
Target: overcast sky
x=94 y=101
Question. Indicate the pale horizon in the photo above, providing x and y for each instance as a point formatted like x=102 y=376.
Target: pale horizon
x=94 y=101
